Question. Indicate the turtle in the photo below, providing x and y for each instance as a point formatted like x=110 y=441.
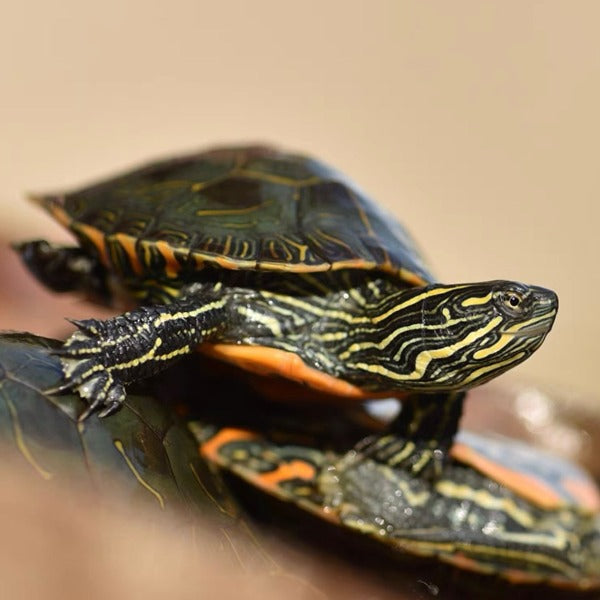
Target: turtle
x=146 y=457
x=530 y=518
x=277 y=263
x=146 y=449
x=500 y=507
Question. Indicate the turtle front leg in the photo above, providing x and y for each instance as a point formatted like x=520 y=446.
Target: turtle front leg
x=101 y=357
x=419 y=439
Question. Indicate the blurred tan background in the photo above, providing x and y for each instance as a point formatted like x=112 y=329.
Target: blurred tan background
x=477 y=123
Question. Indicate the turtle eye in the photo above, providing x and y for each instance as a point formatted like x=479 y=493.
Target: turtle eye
x=513 y=301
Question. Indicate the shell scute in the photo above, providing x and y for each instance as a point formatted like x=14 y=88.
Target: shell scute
x=248 y=208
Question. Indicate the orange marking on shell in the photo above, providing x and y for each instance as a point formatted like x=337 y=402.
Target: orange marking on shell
x=405 y=275
x=557 y=581
x=210 y=449
x=526 y=486
x=517 y=576
x=223 y=261
x=128 y=244
x=96 y=237
x=295 y=469
x=172 y=266
x=362 y=215
x=271 y=361
x=227 y=263
x=582 y=584
x=585 y=492
x=463 y=562
x=353 y=263
x=53 y=204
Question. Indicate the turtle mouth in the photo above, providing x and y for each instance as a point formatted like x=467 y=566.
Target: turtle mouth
x=533 y=331
x=536 y=327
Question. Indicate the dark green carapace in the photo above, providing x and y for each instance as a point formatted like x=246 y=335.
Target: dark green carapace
x=464 y=517
x=146 y=454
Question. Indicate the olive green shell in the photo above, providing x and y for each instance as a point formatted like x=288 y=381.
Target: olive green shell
x=145 y=449
x=243 y=208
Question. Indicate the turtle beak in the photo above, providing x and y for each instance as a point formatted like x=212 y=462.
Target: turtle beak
x=544 y=307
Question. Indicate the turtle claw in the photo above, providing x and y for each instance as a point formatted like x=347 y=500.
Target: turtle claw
x=85 y=373
x=105 y=394
x=86 y=325
x=82 y=342
x=105 y=402
x=101 y=356
x=86 y=413
x=102 y=404
x=91 y=380
x=109 y=409
x=59 y=389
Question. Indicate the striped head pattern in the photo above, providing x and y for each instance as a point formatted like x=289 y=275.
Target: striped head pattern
x=471 y=333
x=452 y=337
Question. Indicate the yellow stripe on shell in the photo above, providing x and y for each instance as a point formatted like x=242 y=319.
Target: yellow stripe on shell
x=119 y=446
x=483 y=498
x=21 y=445
x=459 y=553
x=302 y=248
x=270 y=178
x=229 y=211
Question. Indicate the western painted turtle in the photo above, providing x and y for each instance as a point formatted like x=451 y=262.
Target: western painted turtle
x=532 y=519
x=277 y=263
x=147 y=453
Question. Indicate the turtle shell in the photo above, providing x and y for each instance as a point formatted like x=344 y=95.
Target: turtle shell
x=144 y=447
x=250 y=208
x=542 y=478
x=464 y=518
x=499 y=507
x=144 y=456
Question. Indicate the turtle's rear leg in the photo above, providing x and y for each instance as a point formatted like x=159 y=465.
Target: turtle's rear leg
x=66 y=269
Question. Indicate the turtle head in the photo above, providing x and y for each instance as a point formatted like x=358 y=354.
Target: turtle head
x=472 y=333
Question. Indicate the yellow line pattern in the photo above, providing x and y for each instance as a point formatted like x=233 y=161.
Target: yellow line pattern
x=119 y=446
x=426 y=356
x=22 y=446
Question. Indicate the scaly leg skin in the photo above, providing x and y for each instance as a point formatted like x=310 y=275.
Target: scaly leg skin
x=419 y=439
x=66 y=269
x=102 y=356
